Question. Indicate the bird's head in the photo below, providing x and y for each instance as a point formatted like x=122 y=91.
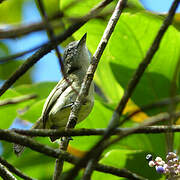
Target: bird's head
x=76 y=55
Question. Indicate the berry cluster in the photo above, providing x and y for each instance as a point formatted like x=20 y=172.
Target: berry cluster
x=170 y=167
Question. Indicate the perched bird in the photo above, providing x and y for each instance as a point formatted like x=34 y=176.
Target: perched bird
x=57 y=107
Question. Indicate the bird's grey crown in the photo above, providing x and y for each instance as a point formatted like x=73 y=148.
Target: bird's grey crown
x=70 y=50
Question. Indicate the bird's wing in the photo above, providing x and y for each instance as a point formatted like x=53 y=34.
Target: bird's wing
x=52 y=98
x=67 y=98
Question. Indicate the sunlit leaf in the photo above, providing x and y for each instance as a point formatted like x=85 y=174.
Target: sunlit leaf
x=11 y=11
x=34 y=112
x=42 y=90
x=9 y=112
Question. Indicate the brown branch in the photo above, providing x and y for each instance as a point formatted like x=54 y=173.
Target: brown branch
x=90 y=73
x=93 y=132
x=14 y=170
x=17 y=100
x=89 y=169
x=46 y=48
x=56 y=153
x=5 y=174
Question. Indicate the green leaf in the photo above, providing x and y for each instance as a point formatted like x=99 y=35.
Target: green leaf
x=9 y=112
x=150 y=87
x=11 y=11
x=3 y=49
x=79 y=8
x=34 y=112
x=42 y=90
x=136 y=32
x=51 y=7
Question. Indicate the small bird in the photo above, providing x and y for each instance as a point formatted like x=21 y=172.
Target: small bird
x=57 y=107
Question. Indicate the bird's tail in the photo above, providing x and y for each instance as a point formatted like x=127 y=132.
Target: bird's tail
x=18 y=149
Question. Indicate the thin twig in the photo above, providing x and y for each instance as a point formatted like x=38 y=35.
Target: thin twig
x=91 y=70
x=17 y=100
x=56 y=153
x=89 y=169
x=5 y=174
x=93 y=132
x=96 y=150
x=14 y=170
x=47 y=47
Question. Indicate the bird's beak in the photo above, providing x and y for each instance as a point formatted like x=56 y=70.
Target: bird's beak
x=82 y=41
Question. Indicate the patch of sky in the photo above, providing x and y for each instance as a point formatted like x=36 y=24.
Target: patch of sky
x=158 y=5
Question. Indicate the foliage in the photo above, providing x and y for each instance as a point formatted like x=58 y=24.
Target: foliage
x=128 y=45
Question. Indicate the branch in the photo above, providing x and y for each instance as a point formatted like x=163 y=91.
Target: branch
x=17 y=100
x=90 y=73
x=89 y=169
x=56 y=153
x=5 y=174
x=47 y=47
x=92 y=132
x=14 y=170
